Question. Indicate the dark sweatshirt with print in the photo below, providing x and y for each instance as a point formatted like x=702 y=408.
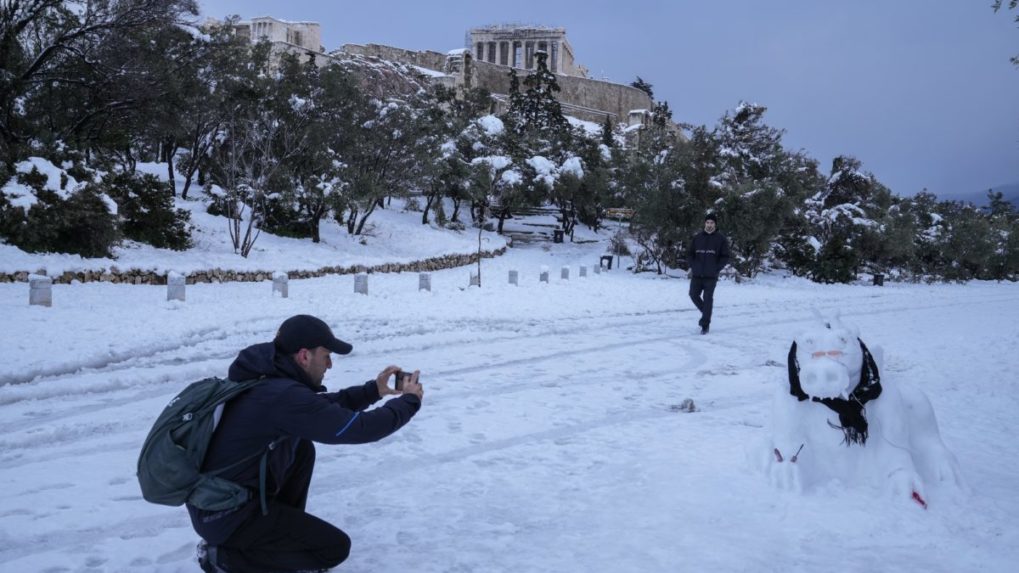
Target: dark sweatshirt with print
x=707 y=254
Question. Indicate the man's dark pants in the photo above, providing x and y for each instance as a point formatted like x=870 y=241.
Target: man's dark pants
x=705 y=286
x=287 y=539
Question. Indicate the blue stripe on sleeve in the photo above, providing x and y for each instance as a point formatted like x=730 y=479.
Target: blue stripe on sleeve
x=356 y=414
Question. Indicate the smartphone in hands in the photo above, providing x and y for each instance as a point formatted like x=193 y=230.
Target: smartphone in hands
x=402 y=377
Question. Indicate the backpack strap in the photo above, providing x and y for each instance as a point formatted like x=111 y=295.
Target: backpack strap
x=262 y=471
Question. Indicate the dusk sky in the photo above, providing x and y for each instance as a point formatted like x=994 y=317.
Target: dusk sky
x=921 y=91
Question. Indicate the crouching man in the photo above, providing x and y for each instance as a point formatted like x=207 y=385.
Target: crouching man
x=289 y=409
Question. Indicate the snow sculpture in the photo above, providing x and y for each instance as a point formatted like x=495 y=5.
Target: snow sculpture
x=836 y=416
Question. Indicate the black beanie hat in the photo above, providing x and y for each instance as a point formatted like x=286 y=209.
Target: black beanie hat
x=711 y=217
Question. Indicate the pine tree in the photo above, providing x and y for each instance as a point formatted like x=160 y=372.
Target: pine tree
x=606 y=132
x=848 y=212
x=751 y=169
x=643 y=86
x=537 y=110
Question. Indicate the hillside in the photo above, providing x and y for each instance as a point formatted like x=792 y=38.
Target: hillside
x=393 y=236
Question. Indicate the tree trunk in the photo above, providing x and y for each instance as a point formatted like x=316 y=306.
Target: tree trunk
x=364 y=219
x=568 y=221
x=456 y=211
x=352 y=220
x=503 y=215
x=477 y=211
x=170 y=151
x=480 y=224
x=187 y=183
x=428 y=206
x=315 y=218
x=129 y=162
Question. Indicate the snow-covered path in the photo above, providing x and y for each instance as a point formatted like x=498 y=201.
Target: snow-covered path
x=548 y=440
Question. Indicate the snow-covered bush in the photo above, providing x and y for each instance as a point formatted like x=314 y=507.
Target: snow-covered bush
x=146 y=210
x=48 y=211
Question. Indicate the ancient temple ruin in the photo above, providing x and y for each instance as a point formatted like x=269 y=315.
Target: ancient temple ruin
x=305 y=36
x=515 y=46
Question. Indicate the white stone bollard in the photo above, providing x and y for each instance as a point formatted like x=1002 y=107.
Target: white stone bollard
x=583 y=271
x=475 y=279
x=361 y=283
x=565 y=273
x=40 y=290
x=175 y=285
x=514 y=278
x=425 y=282
x=544 y=274
x=280 y=282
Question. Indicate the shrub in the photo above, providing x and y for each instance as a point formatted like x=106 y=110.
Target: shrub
x=81 y=224
x=147 y=212
x=835 y=263
x=281 y=218
x=78 y=221
x=219 y=201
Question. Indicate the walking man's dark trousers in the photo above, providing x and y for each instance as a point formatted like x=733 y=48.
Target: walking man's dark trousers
x=703 y=287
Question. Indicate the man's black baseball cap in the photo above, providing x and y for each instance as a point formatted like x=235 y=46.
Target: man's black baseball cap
x=306 y=331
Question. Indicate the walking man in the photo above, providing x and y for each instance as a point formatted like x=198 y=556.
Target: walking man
x=707 y=254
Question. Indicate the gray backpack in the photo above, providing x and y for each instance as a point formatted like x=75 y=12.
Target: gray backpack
x=169 y=466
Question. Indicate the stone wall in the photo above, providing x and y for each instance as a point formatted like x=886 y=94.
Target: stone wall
x=140 y=277
x=585 y=98
x=425 y=59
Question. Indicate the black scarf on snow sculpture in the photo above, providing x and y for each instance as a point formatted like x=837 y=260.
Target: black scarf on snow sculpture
x=851 y=412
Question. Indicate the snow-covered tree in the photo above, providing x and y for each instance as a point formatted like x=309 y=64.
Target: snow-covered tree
x=199 y=98
x=257 y=145
x=753 y=173
x=461 y=137
x=536 y=111
x=389 y=138
x=655 y=174
x=842 y=215
x=71 y=68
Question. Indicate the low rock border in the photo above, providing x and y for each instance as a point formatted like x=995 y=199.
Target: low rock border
x=140 y=277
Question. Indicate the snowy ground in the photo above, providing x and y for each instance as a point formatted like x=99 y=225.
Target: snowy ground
x=547 y=440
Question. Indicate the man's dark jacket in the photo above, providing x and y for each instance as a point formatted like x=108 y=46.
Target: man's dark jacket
x=286 y=404
x=707 y=254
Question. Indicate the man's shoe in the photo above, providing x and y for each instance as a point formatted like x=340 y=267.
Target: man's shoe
x=207 y=558
x=704 y=330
